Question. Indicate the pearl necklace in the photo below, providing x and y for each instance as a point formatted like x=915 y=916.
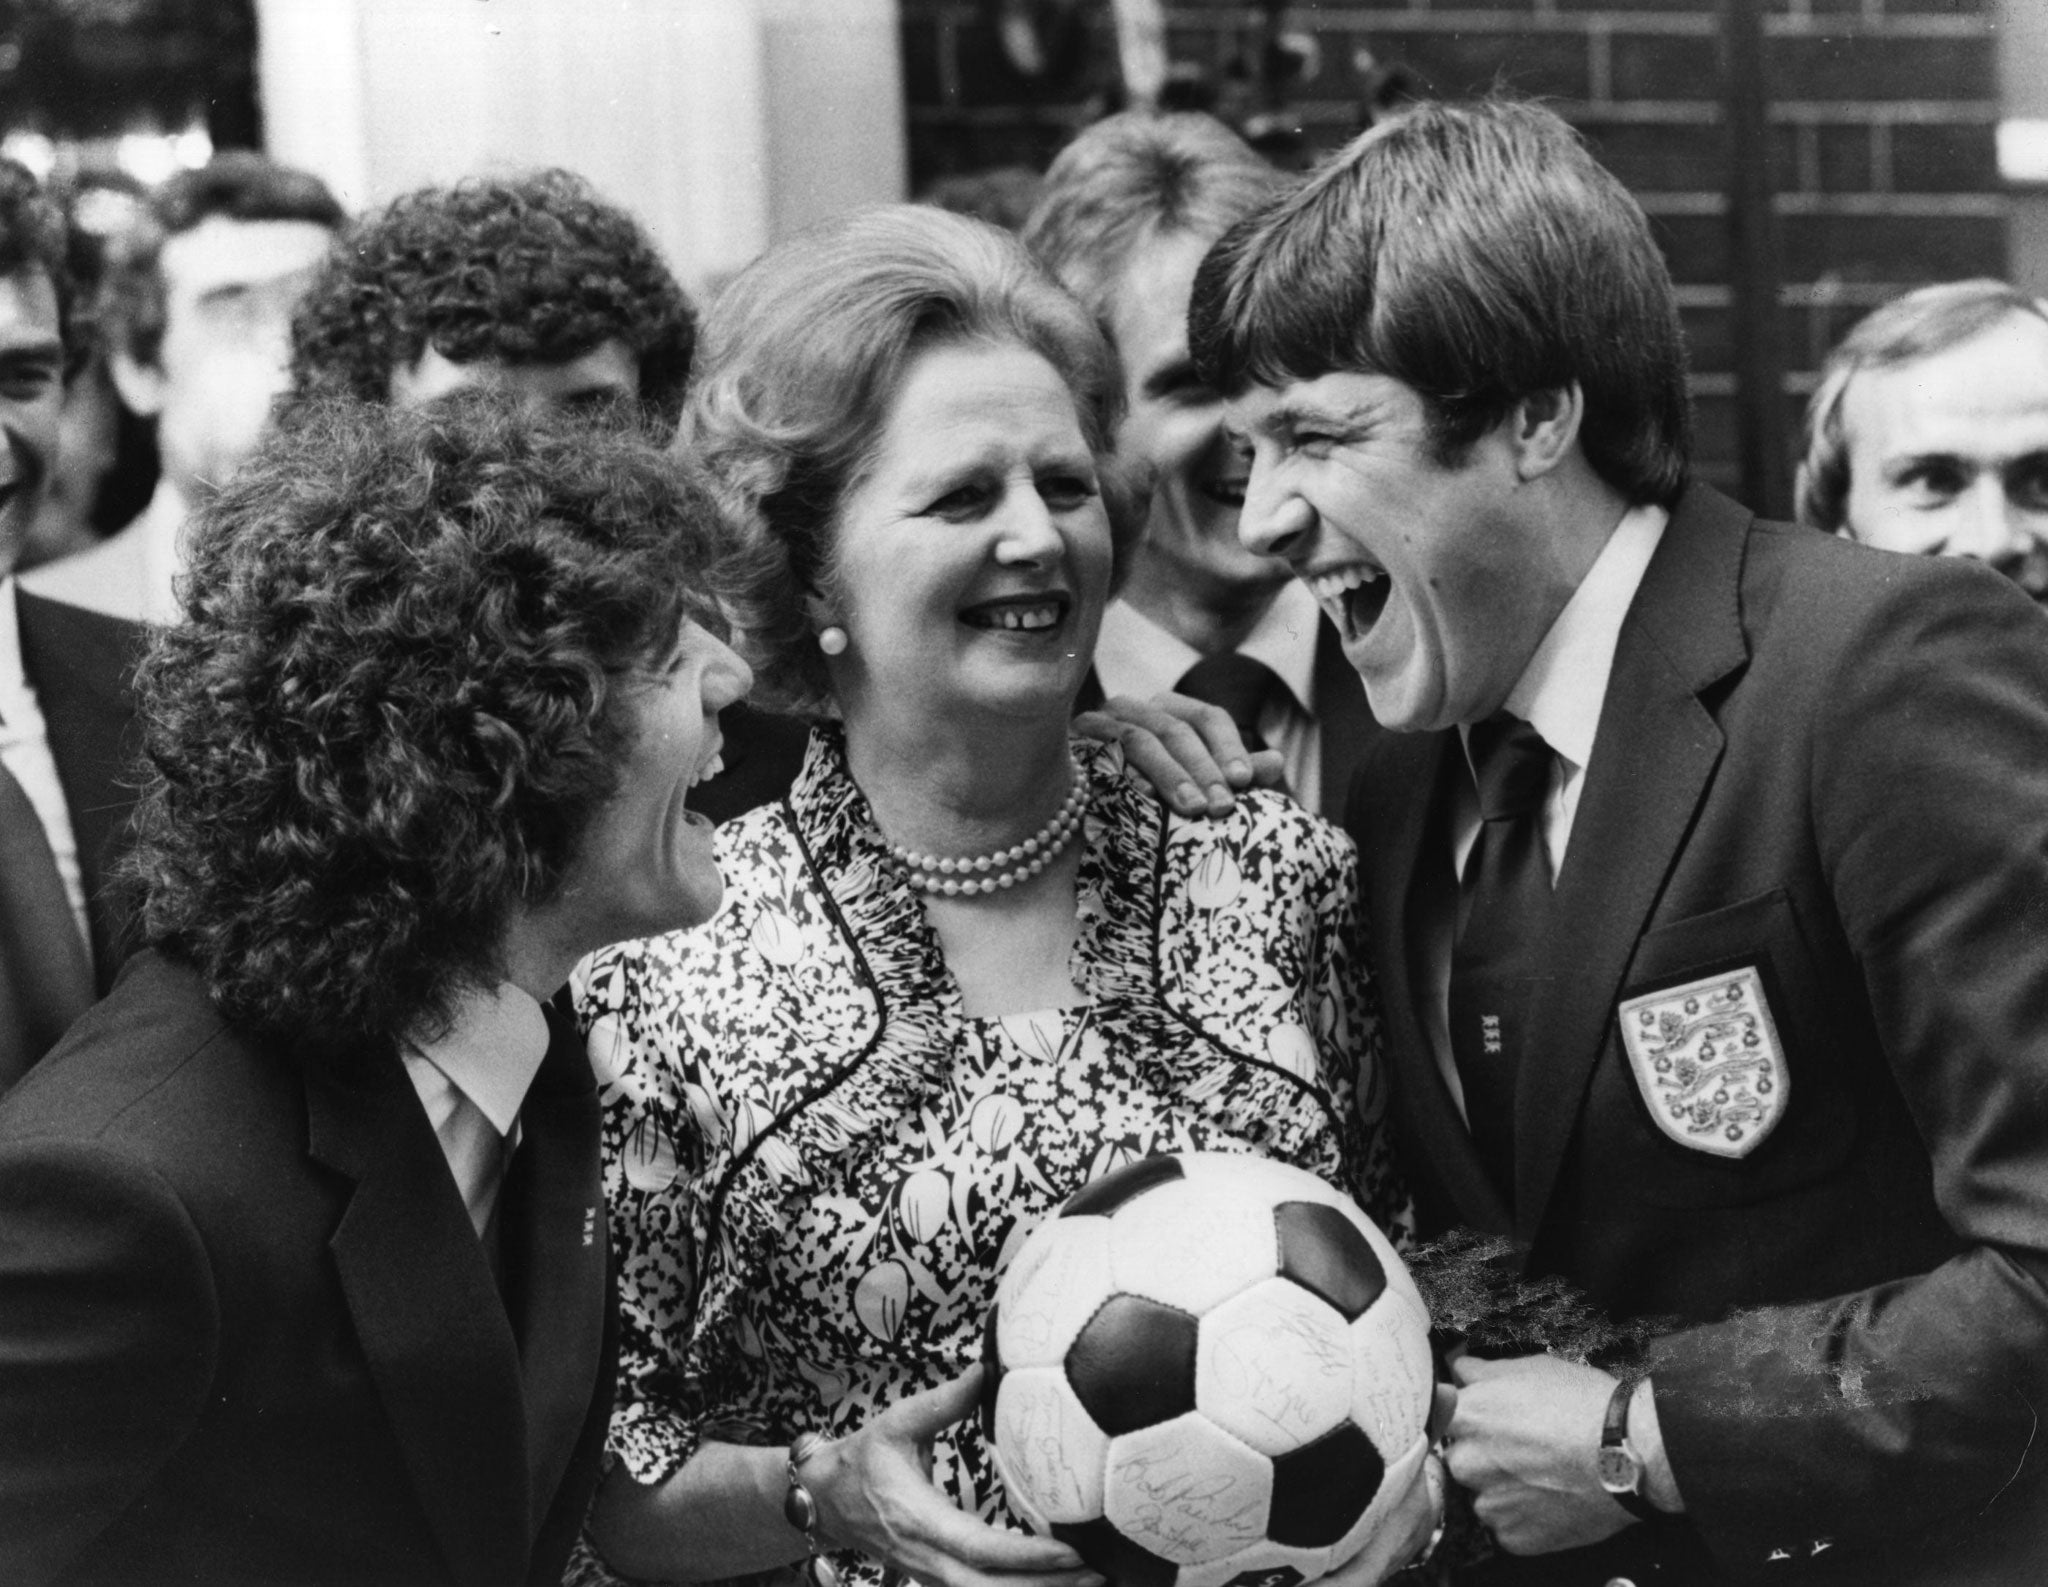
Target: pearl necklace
x=988 y=873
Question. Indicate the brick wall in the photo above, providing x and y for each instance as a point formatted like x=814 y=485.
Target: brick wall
x=1882 y=116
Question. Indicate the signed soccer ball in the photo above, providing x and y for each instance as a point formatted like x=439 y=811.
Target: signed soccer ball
x=1209 y=1370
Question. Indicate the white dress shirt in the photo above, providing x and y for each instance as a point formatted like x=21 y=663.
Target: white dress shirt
x=1135 y=656
x=472 y=1080
x=25 y=751
x=1559 y=693
x=162 y=528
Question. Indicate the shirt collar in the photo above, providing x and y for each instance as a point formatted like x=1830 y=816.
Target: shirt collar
x=13 y=675
x=1561 y=690
x=492 y=1049
x=1134 y=655
x=163 y=528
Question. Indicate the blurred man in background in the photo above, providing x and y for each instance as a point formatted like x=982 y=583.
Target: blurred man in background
x=46 y=933
x=196 y=316
x=198 y=328
x=106 y=455
x=1128 y=210
x=1929 y=430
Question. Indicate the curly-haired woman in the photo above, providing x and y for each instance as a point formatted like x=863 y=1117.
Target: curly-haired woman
x=304 y=1273
x=967 y=966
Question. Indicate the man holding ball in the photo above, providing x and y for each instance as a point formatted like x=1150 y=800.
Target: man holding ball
x=1705 y=870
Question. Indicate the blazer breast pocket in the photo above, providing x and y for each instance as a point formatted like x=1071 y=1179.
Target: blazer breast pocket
x=1720 y=1081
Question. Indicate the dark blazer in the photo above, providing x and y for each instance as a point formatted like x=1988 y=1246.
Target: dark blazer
x=1346 y=721
x=81 y=665
x=249 y=1335
x=1826 y=766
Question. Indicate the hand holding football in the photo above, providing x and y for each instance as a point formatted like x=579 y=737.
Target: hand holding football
x=1209 y=1370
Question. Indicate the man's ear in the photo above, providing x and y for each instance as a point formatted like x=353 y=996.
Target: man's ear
x=1544 y=429
x=140 y=386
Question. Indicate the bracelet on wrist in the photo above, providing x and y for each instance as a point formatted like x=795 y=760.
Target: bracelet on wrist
x=800 y=1509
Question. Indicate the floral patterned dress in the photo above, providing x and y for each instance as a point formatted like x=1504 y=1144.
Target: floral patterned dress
x=818 y=1165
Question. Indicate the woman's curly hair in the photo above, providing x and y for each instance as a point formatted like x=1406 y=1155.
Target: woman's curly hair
x=387 y=715
x=802 y=356
x=532 y=268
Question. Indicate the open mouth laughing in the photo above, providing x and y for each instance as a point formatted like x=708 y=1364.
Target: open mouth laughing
x=1353 y=597
x=713 y=764
x=1226 y=492
x=1019 y=614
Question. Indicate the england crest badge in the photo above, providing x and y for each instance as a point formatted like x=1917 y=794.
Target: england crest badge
x=1708 y=1061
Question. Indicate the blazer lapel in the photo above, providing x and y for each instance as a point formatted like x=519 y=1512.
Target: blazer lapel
x=1400 y=817
x=1653 y=759
x=552 y=1218
x=45 y=976
x=428 y=1316
x=82 y=665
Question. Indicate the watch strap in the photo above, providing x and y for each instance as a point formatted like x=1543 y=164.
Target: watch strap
x=1614 y=1435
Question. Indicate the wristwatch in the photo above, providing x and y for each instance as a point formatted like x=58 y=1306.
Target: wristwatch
x=1620 y=1467
x=800 y=1510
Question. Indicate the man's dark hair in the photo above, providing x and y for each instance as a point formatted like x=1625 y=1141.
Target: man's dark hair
x=388 y=715
x=32 y=236
x=534 y=268
x=236 y=185
x=1478 y=254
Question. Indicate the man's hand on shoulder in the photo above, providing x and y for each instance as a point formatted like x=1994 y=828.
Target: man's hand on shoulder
x=1190 y=751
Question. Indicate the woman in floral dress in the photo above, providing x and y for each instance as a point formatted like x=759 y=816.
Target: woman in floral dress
x=967 y=966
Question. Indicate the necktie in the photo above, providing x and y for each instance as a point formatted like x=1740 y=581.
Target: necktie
x=1241 y=685
x=45 y=972
x=1503 y=908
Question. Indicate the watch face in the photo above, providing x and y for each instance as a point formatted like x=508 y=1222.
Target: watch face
x=1619 y=1468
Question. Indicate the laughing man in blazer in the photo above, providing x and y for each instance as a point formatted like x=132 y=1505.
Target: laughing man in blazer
x=1765 y=1058
x=303 y=1270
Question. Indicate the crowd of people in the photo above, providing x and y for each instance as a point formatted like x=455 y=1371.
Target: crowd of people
x=579 y=872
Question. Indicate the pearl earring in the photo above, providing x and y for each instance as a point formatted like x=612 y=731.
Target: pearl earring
x=832 y=640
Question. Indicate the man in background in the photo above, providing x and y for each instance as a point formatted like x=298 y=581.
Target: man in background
x=1126 y=213
x=197 y=317
x=198 y=329
x=1928 y=432
x=54 y=777
x=106 y=455
x=538 y=285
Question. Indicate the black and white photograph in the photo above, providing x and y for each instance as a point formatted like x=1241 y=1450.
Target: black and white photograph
x=1023 y=793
